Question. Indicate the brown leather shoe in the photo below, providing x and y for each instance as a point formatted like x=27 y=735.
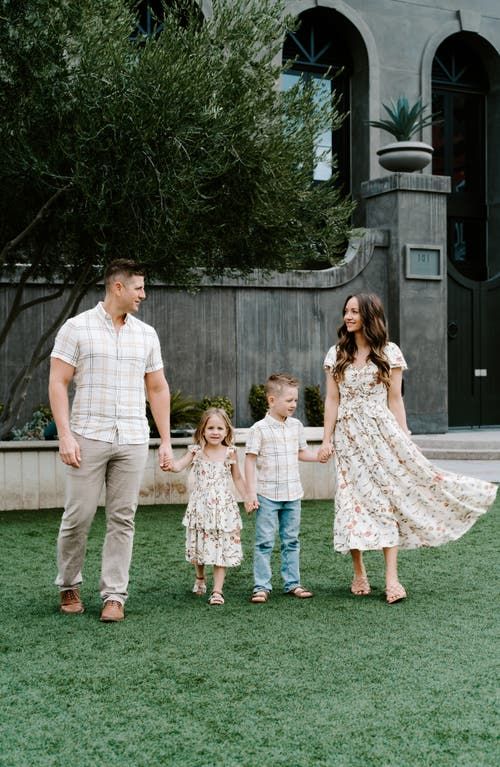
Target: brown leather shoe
x=71 y=604
x=112 y=611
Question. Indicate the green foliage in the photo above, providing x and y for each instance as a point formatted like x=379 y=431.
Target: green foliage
x=222 y=402
x=35 y=427
x=404 y=121
x=177 y=149
x=184 y=413
x=314 y=405
x=257 y=401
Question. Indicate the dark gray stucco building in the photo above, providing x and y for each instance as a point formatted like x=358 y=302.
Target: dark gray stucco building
x=447 y=53
x=431 y=247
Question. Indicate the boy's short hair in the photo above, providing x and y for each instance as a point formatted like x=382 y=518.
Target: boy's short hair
x=278 y=381
x=124 y=267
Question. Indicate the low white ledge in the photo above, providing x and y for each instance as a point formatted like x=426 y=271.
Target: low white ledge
x=32 y=474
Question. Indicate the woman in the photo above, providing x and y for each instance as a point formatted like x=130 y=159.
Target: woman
x=388 y=495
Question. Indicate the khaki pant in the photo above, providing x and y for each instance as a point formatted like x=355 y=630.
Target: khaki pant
x=120 y=468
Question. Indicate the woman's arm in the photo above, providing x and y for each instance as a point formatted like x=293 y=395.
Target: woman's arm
x=332 y=400
x=395 y=398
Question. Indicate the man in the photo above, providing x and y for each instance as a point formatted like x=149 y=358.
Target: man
x=112 y=359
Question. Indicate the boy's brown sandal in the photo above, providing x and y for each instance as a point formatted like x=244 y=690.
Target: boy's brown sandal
x=300 y=593
x=259 y=597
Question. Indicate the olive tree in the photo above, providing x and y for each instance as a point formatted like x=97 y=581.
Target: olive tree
x=177 y=149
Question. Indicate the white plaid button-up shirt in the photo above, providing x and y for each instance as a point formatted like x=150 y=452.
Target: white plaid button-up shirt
x=109 y=374
x=276 y=445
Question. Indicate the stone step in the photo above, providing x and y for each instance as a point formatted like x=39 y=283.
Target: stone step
x=460 y=453
x=480 y=445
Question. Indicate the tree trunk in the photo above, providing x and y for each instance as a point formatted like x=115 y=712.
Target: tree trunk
x=19 y=387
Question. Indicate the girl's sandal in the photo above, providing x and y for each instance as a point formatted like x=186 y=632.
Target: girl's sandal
x=216 y=598
x=360 y=586
x=395 y=593
x=200 y=587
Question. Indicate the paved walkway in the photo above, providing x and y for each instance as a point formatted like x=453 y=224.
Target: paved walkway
x=475 y=452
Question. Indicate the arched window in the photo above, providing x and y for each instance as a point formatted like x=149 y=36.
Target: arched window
x=150 y=17
x=459 y=88
x=319 y=54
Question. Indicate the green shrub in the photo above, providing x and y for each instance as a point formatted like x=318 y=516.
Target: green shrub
x=34 y=428
x=184 y=413
x=222 y=402
x=314 y=405
x=257 y=401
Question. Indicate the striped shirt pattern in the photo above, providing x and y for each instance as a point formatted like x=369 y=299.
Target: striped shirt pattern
x=276 y=445
x=110 y=396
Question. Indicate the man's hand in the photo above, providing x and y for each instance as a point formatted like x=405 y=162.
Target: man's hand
x=165 y=456
x=69 y=450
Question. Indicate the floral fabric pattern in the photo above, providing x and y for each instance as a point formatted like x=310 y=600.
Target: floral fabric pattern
x=212 y=518
x=388 y=493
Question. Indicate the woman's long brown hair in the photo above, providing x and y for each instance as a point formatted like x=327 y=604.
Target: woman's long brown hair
x=375 y=329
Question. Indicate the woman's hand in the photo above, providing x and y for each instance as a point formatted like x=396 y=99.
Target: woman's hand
x=325 y=451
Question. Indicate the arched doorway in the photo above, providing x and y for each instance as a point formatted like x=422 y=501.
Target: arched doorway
x=460 y=91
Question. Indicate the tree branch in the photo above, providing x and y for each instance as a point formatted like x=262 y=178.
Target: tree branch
x=19 y=387
x=35 y=221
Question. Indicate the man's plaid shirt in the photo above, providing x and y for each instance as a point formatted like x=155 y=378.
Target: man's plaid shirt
x=109 y=374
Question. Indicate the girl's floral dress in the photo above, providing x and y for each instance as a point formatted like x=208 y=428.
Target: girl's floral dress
x=388 y=494
x=212 y=518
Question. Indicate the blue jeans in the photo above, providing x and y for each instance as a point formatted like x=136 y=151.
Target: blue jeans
x=268 y=516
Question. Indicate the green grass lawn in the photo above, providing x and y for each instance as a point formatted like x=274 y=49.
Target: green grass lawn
x=336 y=681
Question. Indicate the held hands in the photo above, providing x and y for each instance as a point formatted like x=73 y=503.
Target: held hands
x=251 y=504
x=325 y=452
x=165 y=457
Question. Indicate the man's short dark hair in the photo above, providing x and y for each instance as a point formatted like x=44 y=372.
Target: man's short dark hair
x=124 y=267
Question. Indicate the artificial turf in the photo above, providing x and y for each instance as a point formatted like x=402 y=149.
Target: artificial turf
x=335 y=681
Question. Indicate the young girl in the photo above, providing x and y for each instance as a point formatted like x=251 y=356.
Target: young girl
x=388 y=495
x=212 y=518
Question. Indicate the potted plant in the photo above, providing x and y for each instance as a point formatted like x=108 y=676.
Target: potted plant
x=402 y=123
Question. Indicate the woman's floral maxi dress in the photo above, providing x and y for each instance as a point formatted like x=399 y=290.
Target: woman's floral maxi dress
x=212 y=518
x=388 y=494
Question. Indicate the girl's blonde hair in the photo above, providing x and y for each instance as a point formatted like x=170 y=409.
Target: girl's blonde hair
x=198 y=435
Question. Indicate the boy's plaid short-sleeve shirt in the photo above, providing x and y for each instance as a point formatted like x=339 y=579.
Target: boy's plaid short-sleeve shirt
x=276 y=445
x=109 y=374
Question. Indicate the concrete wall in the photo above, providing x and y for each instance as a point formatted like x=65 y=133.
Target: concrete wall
x=32 y=475
x=230 y=334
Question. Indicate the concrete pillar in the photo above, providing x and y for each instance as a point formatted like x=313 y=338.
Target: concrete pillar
x=413 y=208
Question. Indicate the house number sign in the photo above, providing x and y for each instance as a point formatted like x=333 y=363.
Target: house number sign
x=424 y=262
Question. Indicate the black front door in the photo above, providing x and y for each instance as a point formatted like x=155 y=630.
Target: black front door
x=473 y=351
x=459 y=94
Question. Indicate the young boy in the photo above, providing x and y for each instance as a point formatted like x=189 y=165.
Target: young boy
x=273 y=450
